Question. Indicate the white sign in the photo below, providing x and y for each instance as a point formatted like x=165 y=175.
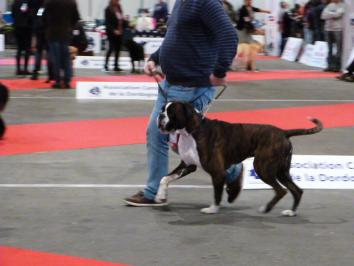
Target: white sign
x=117 y=90
x=311 y=172
x=292 y=49
x=320 y=54
x=315 y=55
x=2 y=42
x=94 y=42
x=97 y=62
x=307 y=54
x=150 y=44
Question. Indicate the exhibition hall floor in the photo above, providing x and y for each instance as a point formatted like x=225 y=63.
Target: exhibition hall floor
x=67 y=164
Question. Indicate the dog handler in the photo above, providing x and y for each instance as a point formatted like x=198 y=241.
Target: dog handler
x=195 y=55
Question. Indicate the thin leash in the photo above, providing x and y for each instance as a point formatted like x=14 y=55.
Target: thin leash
x=164 y=94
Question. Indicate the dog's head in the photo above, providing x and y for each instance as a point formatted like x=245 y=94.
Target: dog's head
x=177 y=116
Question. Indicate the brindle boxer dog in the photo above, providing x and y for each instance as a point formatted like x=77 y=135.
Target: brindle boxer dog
x=216 y=145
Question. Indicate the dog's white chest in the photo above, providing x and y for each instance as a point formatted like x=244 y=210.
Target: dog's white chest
x=187 y=149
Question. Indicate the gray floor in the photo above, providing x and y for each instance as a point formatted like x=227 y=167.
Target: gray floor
x=94 y=223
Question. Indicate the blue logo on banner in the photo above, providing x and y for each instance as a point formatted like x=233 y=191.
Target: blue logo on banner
x=95 y=91
x=85 y=62
x=254 y=174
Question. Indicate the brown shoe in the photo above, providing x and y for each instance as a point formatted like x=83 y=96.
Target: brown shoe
x=349 y=78
x=343 y=76
x=233 y=189
x=138 y=200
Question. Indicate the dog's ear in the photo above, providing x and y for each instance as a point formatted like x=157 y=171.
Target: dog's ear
x=188 y=111
x=191 y=116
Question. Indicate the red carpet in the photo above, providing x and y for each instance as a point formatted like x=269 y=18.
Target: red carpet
x=20 y=257
x=12 y=62
x=60 y=136
x=27 y=84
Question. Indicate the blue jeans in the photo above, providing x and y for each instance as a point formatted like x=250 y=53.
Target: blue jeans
x=60 y=58
x=157 y=143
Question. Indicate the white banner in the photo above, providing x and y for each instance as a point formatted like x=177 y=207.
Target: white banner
x=2 y=42
x=116 y=90
x=311 y=172
x=150 y=44
x=315 y=55
x=292 y=49
x=97 y=62
x=307 y=54
x=94 y=42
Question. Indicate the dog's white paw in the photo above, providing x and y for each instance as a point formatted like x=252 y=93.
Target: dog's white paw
x=161 y=197
x=262 y=209
x=210 y=210
x=288 y=213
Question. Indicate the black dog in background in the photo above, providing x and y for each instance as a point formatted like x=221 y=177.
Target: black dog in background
x=136 y=50
x=4 y=97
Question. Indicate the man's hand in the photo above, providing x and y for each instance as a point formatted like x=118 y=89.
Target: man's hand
x=150 y=68
x=217 y=81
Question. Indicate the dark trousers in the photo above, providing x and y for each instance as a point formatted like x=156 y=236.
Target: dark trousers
x=284 y=39
x=23 y=39
x=334 y=38
x=60 y=59
x=350 y=68
x=40 y=48
x=115 y=43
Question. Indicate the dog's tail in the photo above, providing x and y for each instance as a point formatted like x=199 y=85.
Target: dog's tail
x=304 y=131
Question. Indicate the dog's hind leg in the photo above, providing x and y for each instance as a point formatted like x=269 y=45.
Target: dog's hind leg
x=267 y=174
x=297 y=192
x=181 y=171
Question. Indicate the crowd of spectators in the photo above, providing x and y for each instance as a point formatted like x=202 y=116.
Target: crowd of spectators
x=317 y=20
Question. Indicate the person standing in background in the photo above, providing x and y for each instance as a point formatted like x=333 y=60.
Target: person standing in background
x=114 y=21
x=333 y=15
x=230 y=11
x=22 y=15
x=60 y=17
x=38 y=36
x=318 y=21
x=284 y=23
x=160 y=11
x=247 y=45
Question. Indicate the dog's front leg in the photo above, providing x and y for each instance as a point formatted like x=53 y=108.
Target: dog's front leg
x=218 y=184
x=181 y=171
